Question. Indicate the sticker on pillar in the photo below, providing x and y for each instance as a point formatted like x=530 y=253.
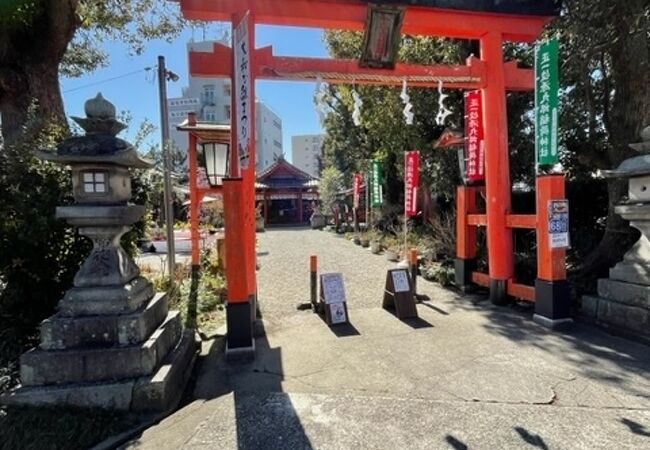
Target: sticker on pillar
x=243 y=108
x=558 y=223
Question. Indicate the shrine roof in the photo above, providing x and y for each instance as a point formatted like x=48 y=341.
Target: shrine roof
x=284 y=174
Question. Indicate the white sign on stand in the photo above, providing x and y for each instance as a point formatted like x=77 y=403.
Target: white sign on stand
x=243 y=108
x=333 y=288
x=400 y=281
x=337 y=313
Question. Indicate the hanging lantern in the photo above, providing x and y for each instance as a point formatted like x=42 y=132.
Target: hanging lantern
x=217 y=162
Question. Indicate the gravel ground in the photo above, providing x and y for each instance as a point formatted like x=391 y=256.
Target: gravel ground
x=283 y=279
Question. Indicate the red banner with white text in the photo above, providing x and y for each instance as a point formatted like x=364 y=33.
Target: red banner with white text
x=474 y=137
x=412 y=182
x=358 y=181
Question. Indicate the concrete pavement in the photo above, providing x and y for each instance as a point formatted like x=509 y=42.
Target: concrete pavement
x=465 y=374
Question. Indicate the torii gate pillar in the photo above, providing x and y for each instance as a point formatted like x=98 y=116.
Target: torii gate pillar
x=497 y=169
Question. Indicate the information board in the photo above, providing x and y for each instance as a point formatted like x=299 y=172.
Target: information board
x=398 y=294
x=333 y=288
x=558 y=223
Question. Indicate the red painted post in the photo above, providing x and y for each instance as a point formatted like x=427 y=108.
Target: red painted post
x=313 y=279
x=552 y=291
x=497 y=168
x=235 y=257
x=413 y=266
x=465 y=264
x=194 y=195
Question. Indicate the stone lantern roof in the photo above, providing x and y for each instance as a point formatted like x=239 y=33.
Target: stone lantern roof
x=100 y=143
x=636 y=166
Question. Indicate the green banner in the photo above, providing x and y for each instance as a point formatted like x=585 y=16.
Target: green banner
x=547 y=86
x=377 y=183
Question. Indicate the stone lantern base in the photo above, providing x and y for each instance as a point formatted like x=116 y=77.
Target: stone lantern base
x=623 y=301
x=138 y=360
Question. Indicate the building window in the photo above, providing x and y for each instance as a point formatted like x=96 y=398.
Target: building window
x=208 y=94
x=277 y=124
x=226 y=89
x=277 y=144
x=226 y=112
x=209 y=116
x=94 y=182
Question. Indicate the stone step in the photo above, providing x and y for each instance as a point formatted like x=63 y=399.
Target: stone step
x=626 y=319
x=45 y=367
x=61 y=332
x=158 y=392
x=163 y=389
x=106 y=300
x=627 y=293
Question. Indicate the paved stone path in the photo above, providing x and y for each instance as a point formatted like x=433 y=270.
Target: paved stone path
x=465 y=375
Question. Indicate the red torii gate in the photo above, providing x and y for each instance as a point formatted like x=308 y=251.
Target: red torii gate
x=490 y=74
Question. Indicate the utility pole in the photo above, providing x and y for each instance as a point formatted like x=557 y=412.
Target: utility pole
x=163 y=74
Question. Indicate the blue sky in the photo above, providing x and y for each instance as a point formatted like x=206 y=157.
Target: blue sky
x=138 y=92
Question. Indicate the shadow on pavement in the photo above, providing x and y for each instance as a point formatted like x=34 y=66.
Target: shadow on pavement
x=435 y=308
x=533 y=439
x=636 y=427
x=265 y=416
x=589 y=350
x=455 y=443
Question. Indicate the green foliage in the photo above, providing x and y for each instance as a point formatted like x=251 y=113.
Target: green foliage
x=331 y=183
x=133 y=22
x=39 y=254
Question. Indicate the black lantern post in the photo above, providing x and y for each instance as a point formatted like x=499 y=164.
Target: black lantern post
x=217 y=162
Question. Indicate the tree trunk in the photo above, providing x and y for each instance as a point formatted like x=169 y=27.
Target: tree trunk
x=629 y=114
x=29 y=66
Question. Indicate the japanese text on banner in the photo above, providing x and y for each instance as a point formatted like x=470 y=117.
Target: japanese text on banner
x=411 y=182
x=358 y=181
x=243 y=91
x=547 y=86
x=474 y=137
x=377 y=183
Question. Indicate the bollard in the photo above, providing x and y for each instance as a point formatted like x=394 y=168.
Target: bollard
x=313 y=267
x=413 y=265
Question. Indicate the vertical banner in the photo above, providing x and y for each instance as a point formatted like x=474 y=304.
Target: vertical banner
x=411 y=182
x=474 y=137
x=243 y=90
x=377 y=183
x=358 y=180
x=547 y=86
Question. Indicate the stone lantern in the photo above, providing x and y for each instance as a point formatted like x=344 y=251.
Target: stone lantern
x=623 y=301
x=113 y=342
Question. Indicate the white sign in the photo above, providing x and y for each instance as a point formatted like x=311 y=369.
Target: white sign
x=337 y=313
x=243 y=108
x=400 y=281
x=558 y=223
x=333 y=288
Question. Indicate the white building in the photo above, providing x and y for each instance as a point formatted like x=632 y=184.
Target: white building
x=210 y=99
x=306 y=152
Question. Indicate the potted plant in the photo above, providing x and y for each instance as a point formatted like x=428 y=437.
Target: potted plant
x=356 y=239
x=375 y=242
x=365 y=240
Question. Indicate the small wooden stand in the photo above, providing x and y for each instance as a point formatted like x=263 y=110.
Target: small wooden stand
x=332 y=300
x=398 y=294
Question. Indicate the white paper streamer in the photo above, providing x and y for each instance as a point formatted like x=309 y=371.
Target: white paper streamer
x=408 y=115
x=356 y=114
x=319 y=97
x=443 y=112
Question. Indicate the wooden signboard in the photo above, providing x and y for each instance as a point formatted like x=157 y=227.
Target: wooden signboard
x=398 y=294
x=333 y=302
